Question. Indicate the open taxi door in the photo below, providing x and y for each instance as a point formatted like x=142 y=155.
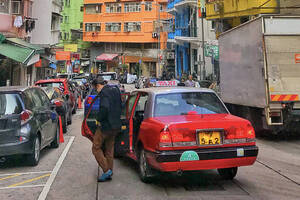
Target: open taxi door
x=122 y=139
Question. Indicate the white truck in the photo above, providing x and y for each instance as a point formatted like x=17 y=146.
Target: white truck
x=260 y=72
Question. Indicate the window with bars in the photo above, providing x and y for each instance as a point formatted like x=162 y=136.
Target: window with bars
x=132 y=26
x=113 y=47
x=4 y=6
x=132 y=7
x=15 y=7
x=113 y=8
x=113 y=27
x=148 y=6
x=92 y=9
x=92 y=27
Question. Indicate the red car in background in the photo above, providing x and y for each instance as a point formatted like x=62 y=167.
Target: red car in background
x=68 y=91
x=183 y=129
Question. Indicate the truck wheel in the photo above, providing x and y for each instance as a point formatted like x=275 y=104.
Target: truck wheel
x=228 y=173
x=34 y=158
x=145 y=171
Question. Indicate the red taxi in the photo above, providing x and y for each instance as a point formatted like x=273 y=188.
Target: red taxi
x=184 y=129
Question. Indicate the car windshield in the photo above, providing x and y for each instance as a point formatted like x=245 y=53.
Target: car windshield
x=108 y=77
x=10 y=104
x=186 y=103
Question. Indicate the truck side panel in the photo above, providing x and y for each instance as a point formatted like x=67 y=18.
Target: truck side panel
x=242 y=79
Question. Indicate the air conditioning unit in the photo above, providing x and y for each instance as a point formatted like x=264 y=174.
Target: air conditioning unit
x=154 y=35
x=170 y=55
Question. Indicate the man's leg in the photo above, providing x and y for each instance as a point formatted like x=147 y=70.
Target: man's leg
x=109 y=151
x=97 y=150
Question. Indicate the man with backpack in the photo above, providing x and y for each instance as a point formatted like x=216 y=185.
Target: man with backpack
x=108 y=126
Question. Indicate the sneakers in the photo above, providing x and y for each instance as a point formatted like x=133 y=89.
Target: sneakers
x=105 y=176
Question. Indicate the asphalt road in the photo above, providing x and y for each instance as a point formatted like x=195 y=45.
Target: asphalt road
x=70 y=172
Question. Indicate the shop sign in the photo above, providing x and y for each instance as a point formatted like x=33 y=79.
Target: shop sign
x=63 y=55
x=212 y=51
x=71 y=47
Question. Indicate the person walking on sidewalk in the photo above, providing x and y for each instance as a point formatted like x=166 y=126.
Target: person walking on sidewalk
x=108 y=126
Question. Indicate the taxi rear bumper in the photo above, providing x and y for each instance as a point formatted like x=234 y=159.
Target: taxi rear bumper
x=208 y=159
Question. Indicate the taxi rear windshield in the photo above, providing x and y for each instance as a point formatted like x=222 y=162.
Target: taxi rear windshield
x=186 y=103
x=51 y=84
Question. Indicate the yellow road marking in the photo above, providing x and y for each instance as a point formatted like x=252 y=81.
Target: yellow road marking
x=28 y=181
x=8 y=177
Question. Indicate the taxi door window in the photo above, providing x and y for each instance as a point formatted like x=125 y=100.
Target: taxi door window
x=131 y=102
x=141 y=104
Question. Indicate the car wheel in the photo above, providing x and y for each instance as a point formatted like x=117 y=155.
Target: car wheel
x=55 y=142
x=64 y=123
x=228 y=173
x=34 y=158
x=70 y=118
x=145 y=171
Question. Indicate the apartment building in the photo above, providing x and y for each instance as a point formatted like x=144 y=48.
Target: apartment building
x=191 y=37
x=72 y=27
x=47 y=27
x=17 y=57
x=128 y=32
x=227 y=14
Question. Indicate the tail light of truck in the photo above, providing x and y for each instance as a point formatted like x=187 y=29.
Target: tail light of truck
x=165 y=138
x=240 y=134
x=89 y=100
x=25 y=116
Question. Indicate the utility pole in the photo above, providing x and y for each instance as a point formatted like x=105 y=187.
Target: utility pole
x=203 y=46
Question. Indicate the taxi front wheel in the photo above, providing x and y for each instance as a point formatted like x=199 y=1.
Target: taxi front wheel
x=228 y=173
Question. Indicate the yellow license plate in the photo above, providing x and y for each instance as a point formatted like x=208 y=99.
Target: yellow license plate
x=209 y=138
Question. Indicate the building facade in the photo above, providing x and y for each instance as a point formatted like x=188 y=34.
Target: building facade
x=132 y=30
x=47 y=27
x=227 y=14
x=17 y=56
x=72 y=27
x=190 y=39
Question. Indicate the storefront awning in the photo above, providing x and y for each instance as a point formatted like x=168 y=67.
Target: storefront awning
x=106 y=57
x=20 y=51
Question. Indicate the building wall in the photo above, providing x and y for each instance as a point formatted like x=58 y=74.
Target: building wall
x=7 y=20
x=47 y=29
x=146 y=18
x=216 y=9
x=75 y=21
x=42 y=32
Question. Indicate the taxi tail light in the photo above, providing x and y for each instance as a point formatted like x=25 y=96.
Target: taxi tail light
x=240 y=134
x=58 y=103
x=25 y=116
x=165 y=138
x=183 y=138
x=89 y=100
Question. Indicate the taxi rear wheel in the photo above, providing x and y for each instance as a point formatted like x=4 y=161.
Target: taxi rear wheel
x=228 y=173
x=145 y=170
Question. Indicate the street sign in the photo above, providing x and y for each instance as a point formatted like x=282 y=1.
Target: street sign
x=212 y=51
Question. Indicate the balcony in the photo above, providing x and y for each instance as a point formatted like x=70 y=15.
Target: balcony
x=182 y=32
x=184 y=3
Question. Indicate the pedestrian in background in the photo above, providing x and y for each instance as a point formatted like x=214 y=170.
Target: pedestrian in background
x=190 y=82
x=108 y=126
